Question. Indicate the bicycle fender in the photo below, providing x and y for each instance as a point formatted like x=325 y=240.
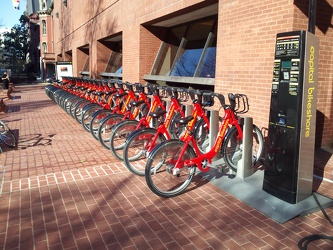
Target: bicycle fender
x=161 y=144
x=225 y=138
x=90 y=105
x=228 y=132
x=107 y=117
x=138 y=131
x=120 y=123
x=97 y=112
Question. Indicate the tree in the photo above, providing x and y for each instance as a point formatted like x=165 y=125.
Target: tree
x=15 y=46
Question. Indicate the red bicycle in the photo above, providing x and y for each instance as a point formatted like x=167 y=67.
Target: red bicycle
x=133 y=107
x=172 y=164
x=141 y=142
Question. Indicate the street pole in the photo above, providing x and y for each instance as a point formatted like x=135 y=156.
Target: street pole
x=312 y=16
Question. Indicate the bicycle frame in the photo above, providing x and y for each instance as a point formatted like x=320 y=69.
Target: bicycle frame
x=145 y=121
x=228 y=119
x=162 y=129
x=132 y=97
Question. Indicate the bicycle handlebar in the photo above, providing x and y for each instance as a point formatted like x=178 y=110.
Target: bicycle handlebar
x=221 y=98
x=181 y=94
x=238 y=102
x=242 y=104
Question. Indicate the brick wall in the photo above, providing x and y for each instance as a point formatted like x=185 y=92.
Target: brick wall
x=47 y=38
x=148 y=39
x=324 y=130
x=245 y=43
x=245 y=49
x=246 y=39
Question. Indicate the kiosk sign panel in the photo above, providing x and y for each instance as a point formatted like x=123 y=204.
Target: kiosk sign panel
x=291 y=131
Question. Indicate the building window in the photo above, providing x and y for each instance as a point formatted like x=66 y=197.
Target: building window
x=189 y=50
x=115 y=61
x=44 y=47
x=114 y=66
x=43 y=27
x=86 y=65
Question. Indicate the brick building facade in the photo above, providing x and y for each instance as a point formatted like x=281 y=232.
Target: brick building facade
x=128 y=35
x=47 y=56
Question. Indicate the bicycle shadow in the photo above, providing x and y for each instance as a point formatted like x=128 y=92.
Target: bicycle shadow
x=27 y=141
x=202 y=178
x=34 y=140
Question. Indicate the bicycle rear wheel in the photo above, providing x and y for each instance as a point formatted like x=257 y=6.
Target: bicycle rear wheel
x=175 y=129
x=160 y=165
x=232 y=147
x=7 y=136
x=136 y=146
x=201 y=135
x=119 y=134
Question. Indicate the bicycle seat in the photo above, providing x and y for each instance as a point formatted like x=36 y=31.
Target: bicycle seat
x=120 y=94
x=184 y=120
x=157 y=114
x=110 y=92
x=138 y=103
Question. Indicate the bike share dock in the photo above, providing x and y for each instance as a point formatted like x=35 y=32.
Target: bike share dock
x=61 y=189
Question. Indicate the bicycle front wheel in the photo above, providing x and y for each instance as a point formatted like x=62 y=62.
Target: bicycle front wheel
x=232 y=147
x=87 y=113
x=136 y=147
x=96 y=119
x=118 y=136
x=161 y=176
x=7 y=136
x=78 y=109
x=104 y=128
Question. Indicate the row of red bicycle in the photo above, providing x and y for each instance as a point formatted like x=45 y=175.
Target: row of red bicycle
x=160 y=132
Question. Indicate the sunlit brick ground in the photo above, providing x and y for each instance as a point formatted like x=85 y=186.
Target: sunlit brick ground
x=60 y=189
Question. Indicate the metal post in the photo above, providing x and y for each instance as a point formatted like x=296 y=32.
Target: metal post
x=245 y=164
x=188 y=109
x=312 y=16
x=214 y=128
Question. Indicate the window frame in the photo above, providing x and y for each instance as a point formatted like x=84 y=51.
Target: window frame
x=115 y=57
x=43 y=27
x=44 y=47
x=195 y=79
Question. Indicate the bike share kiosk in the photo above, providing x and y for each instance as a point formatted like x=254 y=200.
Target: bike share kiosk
x=292 y=121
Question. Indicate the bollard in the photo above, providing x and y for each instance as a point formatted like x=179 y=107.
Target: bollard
x=245 y=164
x=213 y=130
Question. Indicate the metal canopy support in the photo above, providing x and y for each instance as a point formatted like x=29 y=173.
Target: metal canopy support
x=312 y=16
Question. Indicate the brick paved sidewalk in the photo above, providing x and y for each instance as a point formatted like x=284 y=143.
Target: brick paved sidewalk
x=60 y=189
